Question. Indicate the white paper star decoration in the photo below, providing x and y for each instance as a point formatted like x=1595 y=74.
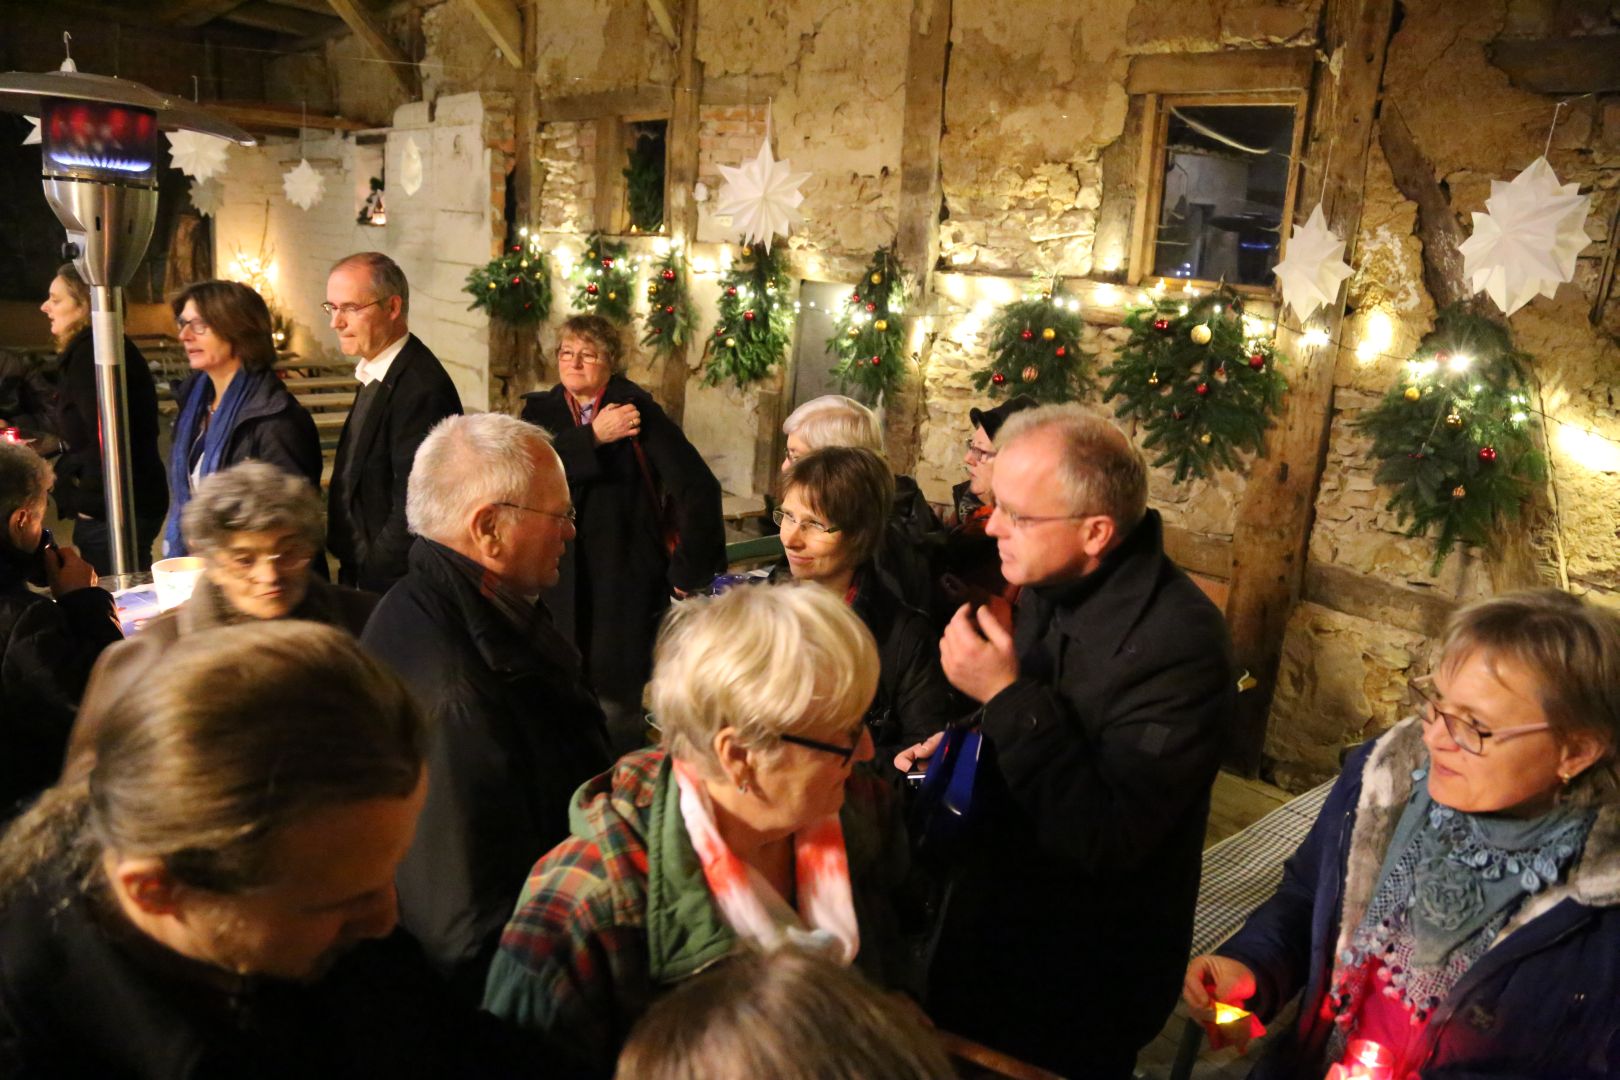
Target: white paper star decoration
x=303 y=185
x=199 y=156
x=410 y=169
x=761 y=197
x=33 y=134
x=206 y=195
x=1527 y=240
x=1314 y=268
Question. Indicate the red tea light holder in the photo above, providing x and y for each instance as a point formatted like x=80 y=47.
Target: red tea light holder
x=1364 y=1059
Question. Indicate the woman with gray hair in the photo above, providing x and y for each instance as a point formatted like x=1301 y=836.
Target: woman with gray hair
x=747 y=828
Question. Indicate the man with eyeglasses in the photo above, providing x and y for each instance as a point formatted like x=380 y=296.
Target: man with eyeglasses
x=516 y=728
x=1106 y=707
x=404 y=391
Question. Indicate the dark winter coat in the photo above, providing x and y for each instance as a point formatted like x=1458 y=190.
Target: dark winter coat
x=617 y=574
x=74 y=414
x=911 y=545
x=366 y=517
x=1543 y=1002
x=515 y=731
x=83 y=996
x=1068 y=935
x=47 y=649
x=271 y=427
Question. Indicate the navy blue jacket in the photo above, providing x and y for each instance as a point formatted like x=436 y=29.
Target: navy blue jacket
x=1543 y=1002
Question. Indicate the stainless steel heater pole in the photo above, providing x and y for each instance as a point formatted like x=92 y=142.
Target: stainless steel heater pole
x=112 y=404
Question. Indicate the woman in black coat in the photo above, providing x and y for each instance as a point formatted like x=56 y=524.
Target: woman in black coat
x=649 y=521
x=74 y=418
x=234 y=407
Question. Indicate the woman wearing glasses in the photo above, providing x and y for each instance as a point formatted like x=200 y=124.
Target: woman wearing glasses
x=744 y=829
x=835 y=503
x=649 y=519
x=1455 y=911
x=233 y=407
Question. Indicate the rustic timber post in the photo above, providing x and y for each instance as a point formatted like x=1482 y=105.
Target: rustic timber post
x=680 y=177
x=917 y=230
x=1270 y=541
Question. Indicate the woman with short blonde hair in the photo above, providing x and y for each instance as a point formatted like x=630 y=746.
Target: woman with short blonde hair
x=745 y=829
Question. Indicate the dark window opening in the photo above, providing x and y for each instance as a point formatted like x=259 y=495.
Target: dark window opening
x=644 y=174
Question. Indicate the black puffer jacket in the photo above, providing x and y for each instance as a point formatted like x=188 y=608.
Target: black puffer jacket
x=74 y=416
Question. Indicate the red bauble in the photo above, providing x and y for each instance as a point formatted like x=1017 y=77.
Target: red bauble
x=669 y=275
x=998 y=378
x=517 y=281
x=657 y=330
x=749 y=315
x=1487 y=455
x=871 y=307
x=876 y=360
x=854 y=297
x=731 y=290
x=719 y=331
x=669 y=309
x=1257 y=361
x=607 y=264
x=590 y=290
x=1177 y=414
x=1161 y=324
x=517 y=247
x=1061 y=351
x=1202 y=389
x=1028 y=335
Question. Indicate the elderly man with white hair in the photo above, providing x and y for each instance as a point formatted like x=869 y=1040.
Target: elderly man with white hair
x=516 y=728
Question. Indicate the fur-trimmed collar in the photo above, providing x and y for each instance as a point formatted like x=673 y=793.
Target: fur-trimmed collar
x=1386 y=787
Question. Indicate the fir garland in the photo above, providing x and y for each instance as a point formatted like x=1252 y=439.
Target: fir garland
x=1203 y=389
x=514 y=287
x=1035 y=350
x=644 y=183
x=1455 y=437
x=606 y=280
x=756 y=318
x=868 y=338
x=671 y=317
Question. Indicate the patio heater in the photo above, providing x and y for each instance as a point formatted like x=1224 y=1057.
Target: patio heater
x=99 y=139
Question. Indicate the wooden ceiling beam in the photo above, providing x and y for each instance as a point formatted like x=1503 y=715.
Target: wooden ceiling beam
x=192 y=13
x=370 y=29
x=281 y=19
x=504 y=25
x=265 y=117
x=1573 y=65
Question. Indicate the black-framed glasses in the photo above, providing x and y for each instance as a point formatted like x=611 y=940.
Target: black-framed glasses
x=567 y=355
x=570 y=515
x=837 y=750
x=195 y=326
x=349 y=311
x=979 y=453
x=1466 y=733
x=809 y=525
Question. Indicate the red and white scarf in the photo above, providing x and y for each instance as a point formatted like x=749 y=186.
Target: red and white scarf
x=749 y=904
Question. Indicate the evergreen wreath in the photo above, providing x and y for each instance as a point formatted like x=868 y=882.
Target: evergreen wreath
x=756 y=318
x=1203 y=389
x=606 y=280
x=671 y=317
x=515 y=286
x=1035 y=349
x=1455 y=438
x=644 y=182
x=868 y=337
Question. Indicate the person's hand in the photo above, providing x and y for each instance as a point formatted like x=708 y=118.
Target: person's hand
x=977 y=654
x=615 y=422
x=908 y=757
x=1212 y=980
x=66 y=571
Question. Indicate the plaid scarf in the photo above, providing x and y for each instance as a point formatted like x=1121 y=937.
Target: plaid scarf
x=751 y=907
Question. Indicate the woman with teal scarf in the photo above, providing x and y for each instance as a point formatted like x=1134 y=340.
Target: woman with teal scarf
x=233 y=408
x=1455 y=911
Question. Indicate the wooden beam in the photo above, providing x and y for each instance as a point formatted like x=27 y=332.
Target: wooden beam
x=917 y=216
x=641 y=103
x=1568 y=65
x=609 y=210
x=660 y=14
x=1437 y=224
x=680 y=178
x=280 y=19
x=370 y=30
x=1228 y=71
x=266 y=117
x=1279 y=503
x=1422 y=611
x=192 y=12
x=503 y=24
x=1199 y=553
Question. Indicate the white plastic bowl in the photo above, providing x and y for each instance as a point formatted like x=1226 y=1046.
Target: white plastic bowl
x=175 y=578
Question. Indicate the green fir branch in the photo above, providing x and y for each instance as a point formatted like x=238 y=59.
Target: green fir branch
x=755 y=325
x=869 y=336
x=515 y=286
x=605 y=281
x=671 y=316
x=1035 y=350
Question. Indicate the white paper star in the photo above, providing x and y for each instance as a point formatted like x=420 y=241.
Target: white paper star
x=303 y=185
x=1314 y=268
x=1527 y=240
x=761 y=197
x=206 y=195
x=199 y=156
x=33 y=134
x=410 y=169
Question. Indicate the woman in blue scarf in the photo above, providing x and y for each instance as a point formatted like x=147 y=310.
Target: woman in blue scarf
x=1455 y=911
x=233 y=407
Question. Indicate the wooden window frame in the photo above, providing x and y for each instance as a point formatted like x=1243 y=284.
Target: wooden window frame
x=1150 y=175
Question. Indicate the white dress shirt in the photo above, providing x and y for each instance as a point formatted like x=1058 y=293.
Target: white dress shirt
x=370 y=371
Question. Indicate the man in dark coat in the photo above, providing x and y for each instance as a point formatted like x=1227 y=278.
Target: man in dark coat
x=404 y=391
x=1106 y=710
x=46 y=648
x=516 y=728
x=650 y=521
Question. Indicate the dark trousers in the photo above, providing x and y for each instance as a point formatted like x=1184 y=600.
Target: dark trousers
x=94 y=540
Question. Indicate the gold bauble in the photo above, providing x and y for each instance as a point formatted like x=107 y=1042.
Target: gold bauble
x=1205 y=438
x=1413 y=393
x=731 y=343
x=1453 y=420
x=590 y=255
x=1031 y=373
x=877 y=279
x=652 y=290
x=854 y=331
x=492 y=284
x=1201 y=334
x=1458 y=492
x=1153 y=379
x=524 y=264
x=881 y=324
x=1048 y=334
